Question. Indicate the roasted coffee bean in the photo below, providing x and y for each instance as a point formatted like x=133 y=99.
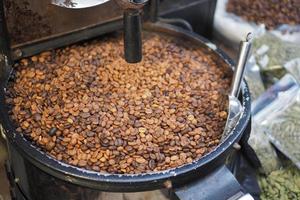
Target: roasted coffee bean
x=90 y=145
x=37 y=117
x=110 y=116
x=152 y=164
x=270 y=13
x=52 y=131
x=90 y=133
x=137 y=124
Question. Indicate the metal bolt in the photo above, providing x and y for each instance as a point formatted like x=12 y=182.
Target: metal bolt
x=168 y=184
x=236 y=146
x=17 y=180
x=18 y=53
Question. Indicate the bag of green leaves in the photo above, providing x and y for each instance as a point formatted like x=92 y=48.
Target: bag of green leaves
x=278 y=111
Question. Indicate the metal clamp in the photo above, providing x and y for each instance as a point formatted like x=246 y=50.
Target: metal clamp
x=219 y=185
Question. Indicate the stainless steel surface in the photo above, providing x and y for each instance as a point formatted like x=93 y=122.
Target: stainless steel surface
x=235 y=107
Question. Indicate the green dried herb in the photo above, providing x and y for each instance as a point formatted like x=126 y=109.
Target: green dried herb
x=279 y=52
x=285 y=132
x=281 y=184
x=264 y=150
x=253 y=78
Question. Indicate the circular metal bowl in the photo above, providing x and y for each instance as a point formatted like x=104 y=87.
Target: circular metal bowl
x=33 y=167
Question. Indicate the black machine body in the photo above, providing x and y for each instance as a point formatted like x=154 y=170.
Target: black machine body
x=34 y=175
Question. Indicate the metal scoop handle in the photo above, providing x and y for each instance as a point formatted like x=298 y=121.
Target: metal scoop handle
x=244 y=51
x=234 y=105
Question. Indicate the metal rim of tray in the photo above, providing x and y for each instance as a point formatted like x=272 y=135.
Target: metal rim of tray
x=136 y=182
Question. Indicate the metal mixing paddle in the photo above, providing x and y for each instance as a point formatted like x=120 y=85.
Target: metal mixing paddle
x=235 y=108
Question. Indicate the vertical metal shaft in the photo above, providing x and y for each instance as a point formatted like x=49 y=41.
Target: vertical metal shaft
x=244 y=51
x=132 y=35
x=154 y=6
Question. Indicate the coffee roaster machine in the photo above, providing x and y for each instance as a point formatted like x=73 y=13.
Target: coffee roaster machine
x=33 y=175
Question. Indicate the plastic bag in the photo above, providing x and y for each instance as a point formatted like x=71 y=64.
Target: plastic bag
x=272 y=54
x=276 y=99
x=265 y=152
x=278 y=111
x=225 y=26
x=232 y=28
x=293 y=67
x=253 y=78
x=281 y=184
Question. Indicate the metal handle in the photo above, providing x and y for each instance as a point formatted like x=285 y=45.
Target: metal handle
x=132 y=36
x=154 y=6
x=244 y=51
x=132 y=29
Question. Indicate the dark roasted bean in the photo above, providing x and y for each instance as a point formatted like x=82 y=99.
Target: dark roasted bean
x=111 y=116
x=52 y=131
x=272 y=14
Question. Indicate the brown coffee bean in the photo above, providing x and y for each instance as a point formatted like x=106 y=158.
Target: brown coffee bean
x=37 y=117
x=152 y=164
x=85 y=110
x=72 y=152
x=52 y=131
x=189 y=160
x=112 y=162
x=50 y=146
x=263 y=12
x=90 y=133
x=137 y=124
x=173 y=158
x=85 y=115
x=140 y=160
x=82 y=163
x=129 y=160
x=89 y=108
x=96 y=168
x=184 y=141
x=128 y=148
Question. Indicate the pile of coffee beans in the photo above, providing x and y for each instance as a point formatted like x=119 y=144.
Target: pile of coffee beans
x=272 y=13
x=84 y=105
